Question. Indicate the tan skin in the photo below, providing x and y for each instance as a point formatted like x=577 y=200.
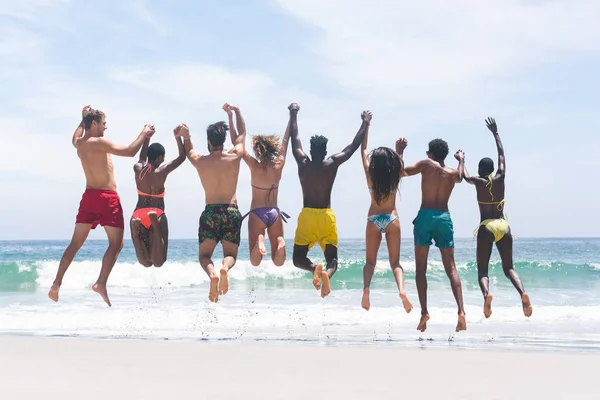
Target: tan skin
x=218 y=171
x=151 y=245
x=485 y=239
x=95 y=151
x=437 y=183
x=317 y=176
x=265 y=176
x=373 y=238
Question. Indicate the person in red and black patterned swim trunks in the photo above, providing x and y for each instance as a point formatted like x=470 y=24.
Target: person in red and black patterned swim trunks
x=100 y=203
x=221 y=220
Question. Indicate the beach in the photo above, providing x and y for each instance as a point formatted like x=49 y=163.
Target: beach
x=72 y=368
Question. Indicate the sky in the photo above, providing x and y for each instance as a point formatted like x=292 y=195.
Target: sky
x=429 y=69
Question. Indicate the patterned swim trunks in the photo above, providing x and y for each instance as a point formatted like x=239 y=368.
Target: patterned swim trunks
x=220 y=222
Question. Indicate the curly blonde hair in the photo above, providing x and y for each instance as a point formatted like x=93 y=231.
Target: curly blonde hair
x=266 y=148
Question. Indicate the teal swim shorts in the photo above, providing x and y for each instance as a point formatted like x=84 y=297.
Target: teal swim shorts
x=433 y=224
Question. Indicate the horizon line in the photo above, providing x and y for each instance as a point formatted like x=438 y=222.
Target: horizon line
x=341 y=238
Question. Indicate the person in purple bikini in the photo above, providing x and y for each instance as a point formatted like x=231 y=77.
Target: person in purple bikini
x=265 y=172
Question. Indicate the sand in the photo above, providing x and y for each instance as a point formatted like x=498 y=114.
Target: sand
x=73 y=368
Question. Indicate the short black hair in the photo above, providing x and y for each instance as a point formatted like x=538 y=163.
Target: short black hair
x=155 y=150
x=318 y=144
x=216 y=133
x=438 y=148
x=486 y=166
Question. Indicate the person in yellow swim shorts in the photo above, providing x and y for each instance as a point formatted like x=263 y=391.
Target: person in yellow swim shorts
x=316 y=222
x=494 y=227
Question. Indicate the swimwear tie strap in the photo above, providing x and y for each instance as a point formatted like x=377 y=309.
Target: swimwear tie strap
x=147 y=168
x=282 y=214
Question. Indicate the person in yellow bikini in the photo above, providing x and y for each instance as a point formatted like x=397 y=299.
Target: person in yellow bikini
x=149 y=226
x=316 y=222
x=490 y=196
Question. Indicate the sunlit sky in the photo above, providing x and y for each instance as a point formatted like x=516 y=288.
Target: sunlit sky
x=425 y=69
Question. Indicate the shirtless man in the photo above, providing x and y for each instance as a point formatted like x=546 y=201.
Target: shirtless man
x=490 y=196
x=221 y=220
x=100 y=203
x=316 y=222
x=434 y=222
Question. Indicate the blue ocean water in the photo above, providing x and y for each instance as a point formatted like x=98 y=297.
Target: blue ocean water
x=561 y=276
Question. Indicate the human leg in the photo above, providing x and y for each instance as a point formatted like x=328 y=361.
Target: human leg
x=373 y=240
x=115 y=245
x=275 y=233
x=141 y=241
x=392 y=237
x=160 y=235
x=505 y=248
x=256 y=239
x=485 y=240
x=80 y=234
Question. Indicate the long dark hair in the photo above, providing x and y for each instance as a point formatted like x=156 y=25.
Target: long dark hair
x=385 y=168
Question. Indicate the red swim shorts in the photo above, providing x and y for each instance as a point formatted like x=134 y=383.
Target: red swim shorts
x=100 y=207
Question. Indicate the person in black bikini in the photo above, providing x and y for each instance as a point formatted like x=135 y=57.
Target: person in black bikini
x=149 y=226
x=265 y=171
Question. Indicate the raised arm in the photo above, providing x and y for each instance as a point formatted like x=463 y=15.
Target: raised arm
x=364 y=152
x=460 y=156
x=410 y=170
x=125 y=151
x=188 y=148
x=172 y=165
x=491 y=124
x=299 y=154
x=237 y=132
x=345 y=154
x=144 y=151
x=284 y=144
x=79 y=130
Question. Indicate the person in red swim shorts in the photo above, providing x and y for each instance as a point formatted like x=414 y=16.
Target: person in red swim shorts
x=149 y=226
x=100 y=203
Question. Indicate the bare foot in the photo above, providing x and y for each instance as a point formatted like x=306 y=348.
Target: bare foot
x=261 y=245
x=101 y=290
x=423 y=323
x=527 y=308
x=317 y=276
x=153 y=217
x=53 y=293
x=325 y=286
x=213 y=294
x=224 y=282
x=462 y=323
x=279 y=256
x=366 y=302
x=406 y=303
x=487 y=306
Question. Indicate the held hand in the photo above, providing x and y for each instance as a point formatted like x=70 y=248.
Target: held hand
x=459 y=155
x=366 y=116
x=294 y=107
x=85 y=110
x=227 y=108
x=491 y=124
x=148 y=130
x=182 y=130
x=401 y=145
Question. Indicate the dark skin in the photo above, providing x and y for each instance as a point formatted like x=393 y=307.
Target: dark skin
x=151 y=245
x=317 y=176
x=485 y=238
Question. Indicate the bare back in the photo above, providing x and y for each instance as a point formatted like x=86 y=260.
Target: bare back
x=317 y=179
x=490 y=199
x=219 y=172
x=265 y=183
x=150 y=181
x=97 y=164
x=437 y=183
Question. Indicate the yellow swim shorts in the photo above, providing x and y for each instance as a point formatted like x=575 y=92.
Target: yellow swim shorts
x=316 y=225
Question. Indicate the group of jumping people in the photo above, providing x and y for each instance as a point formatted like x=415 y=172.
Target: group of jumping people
x=221 y=220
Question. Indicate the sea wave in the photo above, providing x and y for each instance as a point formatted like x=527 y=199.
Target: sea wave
x=30 y=275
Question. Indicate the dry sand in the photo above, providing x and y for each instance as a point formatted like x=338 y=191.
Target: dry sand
x=48 y=368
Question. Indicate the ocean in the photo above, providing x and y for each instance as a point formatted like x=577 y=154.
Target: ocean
x=279 y=304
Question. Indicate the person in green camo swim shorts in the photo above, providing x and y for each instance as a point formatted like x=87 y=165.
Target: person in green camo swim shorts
x=221 y=221
x=433 y=222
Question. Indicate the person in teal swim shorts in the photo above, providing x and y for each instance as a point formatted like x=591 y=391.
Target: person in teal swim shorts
x=433 y=222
